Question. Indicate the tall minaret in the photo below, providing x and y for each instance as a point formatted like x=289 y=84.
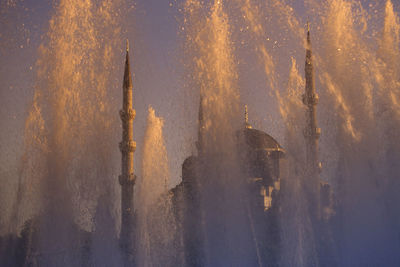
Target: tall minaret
x=127 y=178
x=311 y=132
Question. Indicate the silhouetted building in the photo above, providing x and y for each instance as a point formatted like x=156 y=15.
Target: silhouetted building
x=263 y=163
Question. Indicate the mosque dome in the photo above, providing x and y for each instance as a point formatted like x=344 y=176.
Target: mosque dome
x=258 y=140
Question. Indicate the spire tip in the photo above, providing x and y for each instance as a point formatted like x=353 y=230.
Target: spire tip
x=127 y=45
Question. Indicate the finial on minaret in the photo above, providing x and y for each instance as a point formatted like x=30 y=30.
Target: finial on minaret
x=127 y=72
x=308 y=33
x=246 y=117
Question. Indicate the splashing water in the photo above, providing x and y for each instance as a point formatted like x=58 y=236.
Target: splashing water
x=64 y=168
x=352 y=75
x=67 y=199
x=298 y=241
x=347 y=64
x=155 y=219
x=226 y=235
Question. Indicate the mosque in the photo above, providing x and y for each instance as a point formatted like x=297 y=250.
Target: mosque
x=264 y=163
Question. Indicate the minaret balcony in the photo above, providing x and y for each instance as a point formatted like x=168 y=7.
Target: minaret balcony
x=127 y=115
x=127 y=146
x=310 y=100
x=129 y=179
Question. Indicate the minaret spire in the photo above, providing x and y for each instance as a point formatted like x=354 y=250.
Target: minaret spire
x=127 y=177
x=311 y=132
x=308 y=37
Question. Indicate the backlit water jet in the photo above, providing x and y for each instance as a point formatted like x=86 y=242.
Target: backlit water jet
x=244 y=199
x=221 y=207
x=68 y=137
x=349 y=67
x=156 y=231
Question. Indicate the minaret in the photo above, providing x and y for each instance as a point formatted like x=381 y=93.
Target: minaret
x=127 y=178
x=311 y=132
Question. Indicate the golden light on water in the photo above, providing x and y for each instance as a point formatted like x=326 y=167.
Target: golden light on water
x=61 y=94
